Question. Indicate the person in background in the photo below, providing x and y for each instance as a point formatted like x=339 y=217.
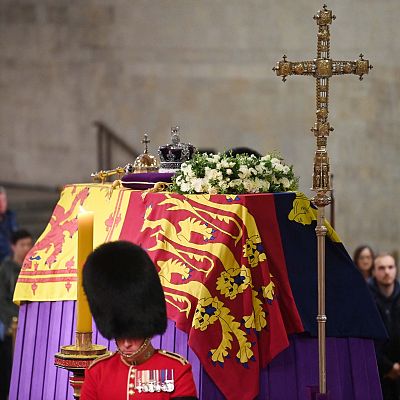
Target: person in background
x=128 y=305
x=21 y=243
x=8 y=225
x=386 y=292
x=363 y=258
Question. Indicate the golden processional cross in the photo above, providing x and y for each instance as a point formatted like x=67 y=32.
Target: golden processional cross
x=322 y=68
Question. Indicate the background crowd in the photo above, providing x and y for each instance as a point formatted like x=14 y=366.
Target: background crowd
x=380 y=273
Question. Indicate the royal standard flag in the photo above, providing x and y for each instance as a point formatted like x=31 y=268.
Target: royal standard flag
x=239 y=272
x=49 y=270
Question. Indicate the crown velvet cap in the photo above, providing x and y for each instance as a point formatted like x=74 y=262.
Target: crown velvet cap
x=124 y=291
x=143 y=181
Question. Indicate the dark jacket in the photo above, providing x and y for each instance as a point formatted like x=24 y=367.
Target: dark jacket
x=389 y=307
x=8 y=225
x=9 y=271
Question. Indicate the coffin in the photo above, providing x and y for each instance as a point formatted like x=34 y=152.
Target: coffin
x=263 y=246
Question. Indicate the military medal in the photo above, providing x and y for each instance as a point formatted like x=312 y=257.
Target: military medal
x=155 y=380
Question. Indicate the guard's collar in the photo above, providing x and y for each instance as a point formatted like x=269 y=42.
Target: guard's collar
x=142 y=354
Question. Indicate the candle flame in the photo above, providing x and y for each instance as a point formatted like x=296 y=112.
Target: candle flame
x=82 y=210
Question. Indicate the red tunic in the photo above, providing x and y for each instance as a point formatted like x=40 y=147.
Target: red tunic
x=113 y=379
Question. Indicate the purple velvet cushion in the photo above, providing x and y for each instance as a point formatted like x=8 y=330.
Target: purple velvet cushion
x=147 y=180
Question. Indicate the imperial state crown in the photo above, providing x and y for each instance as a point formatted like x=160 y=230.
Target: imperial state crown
x=174 y=154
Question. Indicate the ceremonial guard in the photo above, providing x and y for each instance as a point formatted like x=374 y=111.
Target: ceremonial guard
x=127 y=302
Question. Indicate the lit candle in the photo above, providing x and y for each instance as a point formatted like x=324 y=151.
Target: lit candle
x=85 y=247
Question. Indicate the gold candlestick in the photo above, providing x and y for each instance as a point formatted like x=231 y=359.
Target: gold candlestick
x=322 y=68
x=76 y=358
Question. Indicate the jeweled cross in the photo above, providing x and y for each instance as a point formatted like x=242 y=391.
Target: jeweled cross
x=322 y=68
x=145 y=141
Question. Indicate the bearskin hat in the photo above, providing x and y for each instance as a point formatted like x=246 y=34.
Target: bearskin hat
x=124 y=291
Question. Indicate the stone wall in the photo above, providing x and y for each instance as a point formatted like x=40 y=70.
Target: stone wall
x=205 y=65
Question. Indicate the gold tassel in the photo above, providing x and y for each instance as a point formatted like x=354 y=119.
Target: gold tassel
x=114 y=185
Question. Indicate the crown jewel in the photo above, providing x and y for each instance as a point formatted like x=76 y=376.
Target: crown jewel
x=145 y=162
x=174 y=154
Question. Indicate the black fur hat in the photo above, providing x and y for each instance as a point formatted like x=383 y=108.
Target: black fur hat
x=124 y=291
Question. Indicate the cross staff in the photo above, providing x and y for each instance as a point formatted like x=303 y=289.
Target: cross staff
x=322 y=68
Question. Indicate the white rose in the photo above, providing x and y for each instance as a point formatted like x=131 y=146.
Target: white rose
x=259 y=184
x=243 y=172
x=208 y=173
x=285 y=183
x=249 y=186
x=235 y=182
x=185 y=187
x=188 y=171
x=224 y=164
x=212 y=174
x=278 y=167
x=259 y=168
x=229 y=171
x=224 y=185
x=198 y=185
x=252 y=171
x=266 y=186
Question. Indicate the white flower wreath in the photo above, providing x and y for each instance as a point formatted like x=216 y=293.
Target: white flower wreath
x=223 y=173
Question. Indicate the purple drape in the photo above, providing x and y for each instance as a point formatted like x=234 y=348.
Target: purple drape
x=44 y=327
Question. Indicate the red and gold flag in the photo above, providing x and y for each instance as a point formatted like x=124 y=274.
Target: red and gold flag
x=218 y=281
x=49 y=270
x=220 y=260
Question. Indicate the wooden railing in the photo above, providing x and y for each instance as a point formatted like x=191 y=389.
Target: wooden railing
x=107 y=139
